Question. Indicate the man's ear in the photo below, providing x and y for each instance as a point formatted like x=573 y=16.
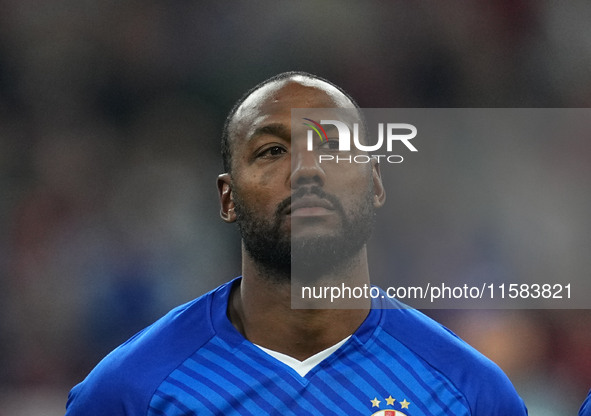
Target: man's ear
x=379 y=193
x=226 y=201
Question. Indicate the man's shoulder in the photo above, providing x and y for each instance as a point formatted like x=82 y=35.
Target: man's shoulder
x=586 y=406
x=479 y=379
x=429 y=339
x=125 y=380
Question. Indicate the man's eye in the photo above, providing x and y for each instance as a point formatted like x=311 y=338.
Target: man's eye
x=330 y=144
x=272 y=151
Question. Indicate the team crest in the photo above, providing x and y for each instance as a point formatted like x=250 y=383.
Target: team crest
x=388 y=412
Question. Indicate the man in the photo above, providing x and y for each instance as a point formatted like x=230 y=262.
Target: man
x=242 y=350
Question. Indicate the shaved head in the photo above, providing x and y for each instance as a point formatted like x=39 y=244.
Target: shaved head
x=269 y=88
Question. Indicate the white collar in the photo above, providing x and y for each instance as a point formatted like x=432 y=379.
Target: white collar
x=303 y=367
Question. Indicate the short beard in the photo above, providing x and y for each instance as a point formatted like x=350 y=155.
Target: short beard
x=309 y=258
x=263 y=239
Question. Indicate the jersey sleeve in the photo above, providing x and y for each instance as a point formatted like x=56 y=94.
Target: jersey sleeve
x=101 y=399
x=123 y=383
x=482 y=383
x=485 y=386
x=109 y=388
x=586 y=407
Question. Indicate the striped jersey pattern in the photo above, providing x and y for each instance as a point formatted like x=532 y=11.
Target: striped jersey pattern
x=194 y=362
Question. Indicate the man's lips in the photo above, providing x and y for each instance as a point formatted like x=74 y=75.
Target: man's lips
x=309 y=205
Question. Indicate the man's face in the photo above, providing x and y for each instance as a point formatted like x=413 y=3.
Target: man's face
x=293 y=211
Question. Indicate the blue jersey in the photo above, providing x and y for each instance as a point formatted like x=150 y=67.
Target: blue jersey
x=586 y=407
x=194 y=362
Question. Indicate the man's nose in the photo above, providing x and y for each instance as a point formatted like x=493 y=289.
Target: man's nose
x=306 y=168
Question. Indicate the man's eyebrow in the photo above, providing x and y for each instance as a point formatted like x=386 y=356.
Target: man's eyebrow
x=275 y=129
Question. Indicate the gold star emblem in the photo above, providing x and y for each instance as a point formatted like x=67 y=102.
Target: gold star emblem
x=375 y=402
x=404 y=404
x=390 y=400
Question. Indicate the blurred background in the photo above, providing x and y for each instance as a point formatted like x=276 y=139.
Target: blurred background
x=110 y=119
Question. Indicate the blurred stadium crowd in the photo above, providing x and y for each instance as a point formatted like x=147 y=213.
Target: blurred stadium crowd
x=110 y=118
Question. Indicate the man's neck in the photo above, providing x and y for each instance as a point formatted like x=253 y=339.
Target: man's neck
x=260 y=308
